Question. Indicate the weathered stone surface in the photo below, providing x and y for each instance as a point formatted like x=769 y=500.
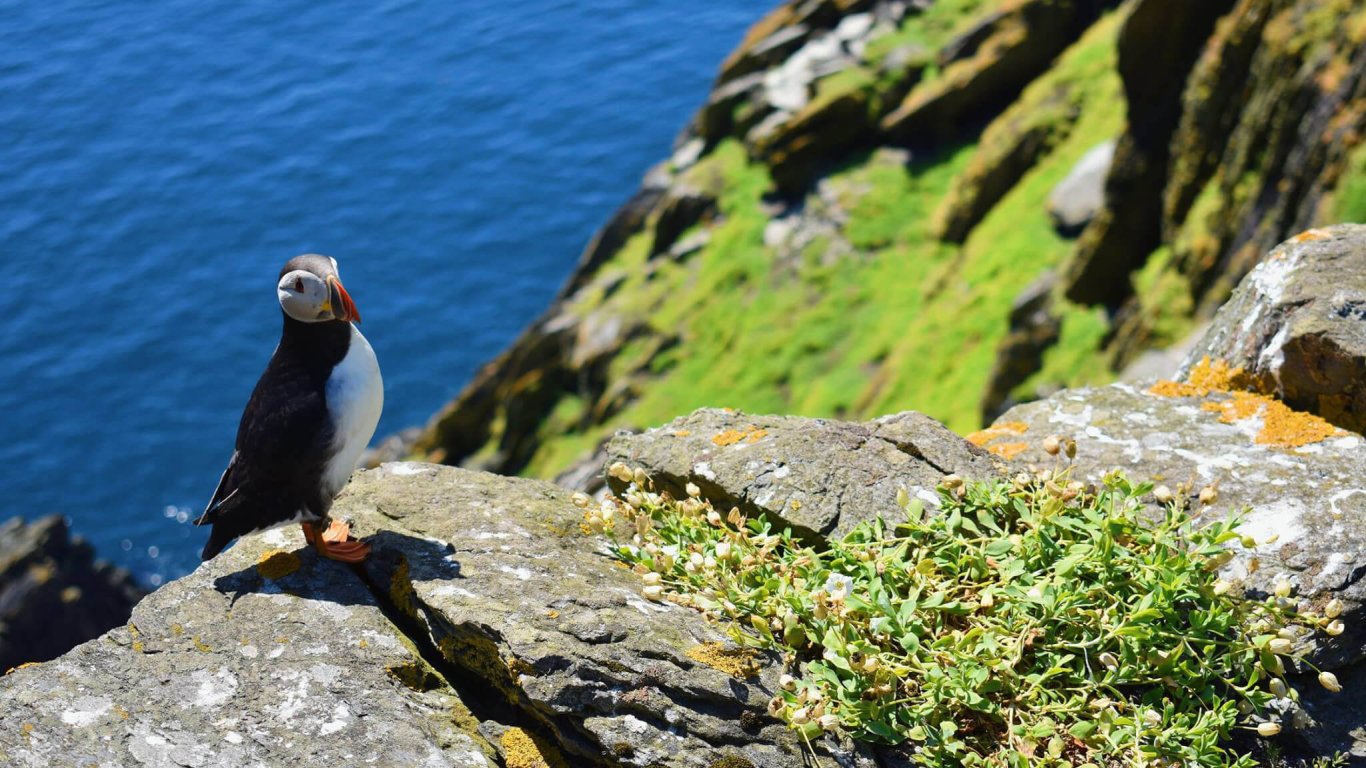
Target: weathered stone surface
x=1297 y=325
x=1312 y=496
x=1076 y=199
x=481 y=590
x=1008 y=50
x=534 y=607
x=54 y=595
x=289 y=662
x=1034 y=327
x=821 y=477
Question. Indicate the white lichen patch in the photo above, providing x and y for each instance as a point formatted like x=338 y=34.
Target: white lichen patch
x=1283 y=518
x=341 y=715
x=249 y=651
x=406 y=468
x=522 y=574
x=703 y=469
x=448 y=590
x=213 y=689
x=86 y=710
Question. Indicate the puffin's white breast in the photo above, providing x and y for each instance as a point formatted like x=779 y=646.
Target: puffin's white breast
x=355 y=397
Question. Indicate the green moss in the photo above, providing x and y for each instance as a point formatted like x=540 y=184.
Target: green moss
x=929 y=30
x=1350 y=198
x=904 y=321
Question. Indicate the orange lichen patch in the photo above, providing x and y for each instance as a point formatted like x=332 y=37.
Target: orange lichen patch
x=1310 y=235
x=277 y=564
x=520 y=667
x=750 y=434
x=683 y=433
x=523 y=750
x=1008 y=450
x=739 y=663
x=1004 y=429
x=1282 y=426
x=25 y=665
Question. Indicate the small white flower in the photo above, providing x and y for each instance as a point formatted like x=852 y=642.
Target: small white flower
x=838 y=585
x=723 y=550
x=1267 y=730
x=1163 y=494
x=1280 y=646
x=653 y=592
x=1282 y=588
x=714 y=517
x=799 y=716
x=829 y=722
x=1221 y=587
x=580 y=499
x=1335 y=627
x=1333 y=609
x=1330 y=681
x=640 y=478
x=1109 y=661
x=787 y=682
x=1277 y=687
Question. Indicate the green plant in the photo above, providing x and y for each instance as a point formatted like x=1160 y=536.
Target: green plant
x=1030 y=621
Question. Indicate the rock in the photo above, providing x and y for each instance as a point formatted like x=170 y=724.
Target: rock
x=818 y=476
x=1296 y=325
x=1034 y=327
x=54 y=594
x=1301 y=479
x=263 y=656
x=1007 y=50
x=1158 y=46
x=486 y=623
x=1076 y=199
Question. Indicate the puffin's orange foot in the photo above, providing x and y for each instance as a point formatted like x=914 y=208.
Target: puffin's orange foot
x=336 y=543
x=338 y=532
x=352 y=551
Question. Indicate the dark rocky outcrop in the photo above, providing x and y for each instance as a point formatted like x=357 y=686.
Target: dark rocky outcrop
x=54 y=594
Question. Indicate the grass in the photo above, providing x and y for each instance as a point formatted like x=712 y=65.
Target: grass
x=905 y=322
x=1034 y=621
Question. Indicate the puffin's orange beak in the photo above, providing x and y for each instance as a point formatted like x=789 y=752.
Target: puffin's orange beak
x=343 y=308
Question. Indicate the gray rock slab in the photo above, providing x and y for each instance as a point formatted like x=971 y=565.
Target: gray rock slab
x=227 y=667
x=1297 y=325
x=821 y=477
x=1081 y=194
x=512 y=589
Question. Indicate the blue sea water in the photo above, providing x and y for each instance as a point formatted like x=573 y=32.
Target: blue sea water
x=162 y=160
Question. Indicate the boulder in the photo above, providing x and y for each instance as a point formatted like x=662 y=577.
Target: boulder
x=1078 y=197
x=818 y=476
x=1296 y=325
x=1301 y=480
x=263 y=656
x=486 y=628
x=54 y=594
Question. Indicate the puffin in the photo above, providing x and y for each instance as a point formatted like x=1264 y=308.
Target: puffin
x=309 y=418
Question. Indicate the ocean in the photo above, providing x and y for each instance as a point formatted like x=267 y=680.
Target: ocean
x=163 y=160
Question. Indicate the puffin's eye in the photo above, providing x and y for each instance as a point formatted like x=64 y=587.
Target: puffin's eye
x=298 y=285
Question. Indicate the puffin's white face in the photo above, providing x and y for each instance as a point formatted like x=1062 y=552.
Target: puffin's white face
x=308 y=298
x=304 y=296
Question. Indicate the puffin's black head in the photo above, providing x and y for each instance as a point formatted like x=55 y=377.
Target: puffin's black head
x=310 y=291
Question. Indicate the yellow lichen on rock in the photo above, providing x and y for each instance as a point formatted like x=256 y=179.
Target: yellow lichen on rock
x=739 y=663
x=276 y=564
x=750 y=434
x=1008 y=450
x=1282 y=426
x=1005 y=429
x=523 y=750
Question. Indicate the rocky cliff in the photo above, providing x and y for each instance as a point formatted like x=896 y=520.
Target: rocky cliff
x=490 y=627
x=946 y=205
x=54 y=594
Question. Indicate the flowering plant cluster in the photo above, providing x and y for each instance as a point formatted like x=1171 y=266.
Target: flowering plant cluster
x=1029 y=621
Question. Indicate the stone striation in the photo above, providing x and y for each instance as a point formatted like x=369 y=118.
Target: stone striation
x=54 y=594
x=1297 y=325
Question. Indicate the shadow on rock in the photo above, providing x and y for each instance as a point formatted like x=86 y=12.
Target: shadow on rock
x=302 y=573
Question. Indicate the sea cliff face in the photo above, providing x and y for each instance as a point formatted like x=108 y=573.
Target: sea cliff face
x=951 y=206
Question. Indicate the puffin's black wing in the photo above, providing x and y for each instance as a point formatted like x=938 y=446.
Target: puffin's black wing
x=283 y=444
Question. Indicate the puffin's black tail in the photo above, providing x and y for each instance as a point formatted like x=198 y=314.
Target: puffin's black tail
x=218 y=539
